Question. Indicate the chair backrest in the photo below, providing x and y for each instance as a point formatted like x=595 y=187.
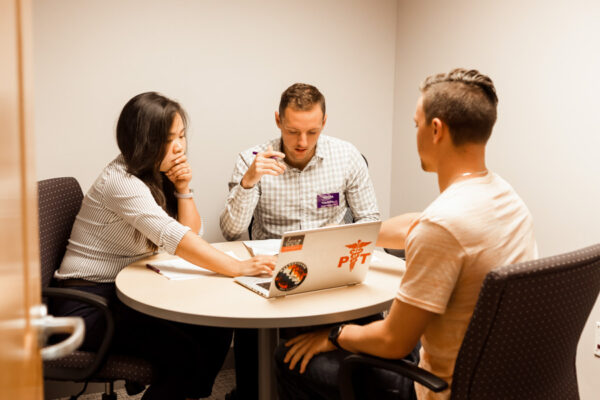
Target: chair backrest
x=522 y=339
x=59 y=201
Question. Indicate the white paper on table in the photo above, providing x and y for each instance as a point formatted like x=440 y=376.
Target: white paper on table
x=267 y=247
x=177 y=269
x=375 y=259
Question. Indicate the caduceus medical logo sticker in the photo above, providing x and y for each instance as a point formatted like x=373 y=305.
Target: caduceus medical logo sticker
x=356 y=252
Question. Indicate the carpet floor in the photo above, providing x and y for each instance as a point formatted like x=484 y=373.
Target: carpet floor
x=223 y=384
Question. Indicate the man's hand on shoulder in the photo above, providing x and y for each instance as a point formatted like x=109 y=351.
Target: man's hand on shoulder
x=265 y=163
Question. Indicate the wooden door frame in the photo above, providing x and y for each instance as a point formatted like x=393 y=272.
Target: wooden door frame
x=20 y=361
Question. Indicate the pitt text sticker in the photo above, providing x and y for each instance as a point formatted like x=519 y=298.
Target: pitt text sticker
x=356 y=254
x=291 y=276
x=328 y=200
x=292 y=243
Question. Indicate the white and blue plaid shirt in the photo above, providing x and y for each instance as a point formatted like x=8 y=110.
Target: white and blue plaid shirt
x=294 y=200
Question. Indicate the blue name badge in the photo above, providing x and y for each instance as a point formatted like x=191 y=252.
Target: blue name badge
x=328 y=200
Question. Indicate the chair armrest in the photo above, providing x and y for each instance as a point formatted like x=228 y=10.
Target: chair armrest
x=351 y=363
x=100 y=303
x=396 y=252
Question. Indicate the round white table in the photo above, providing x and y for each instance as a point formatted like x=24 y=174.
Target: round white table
x=216 y=300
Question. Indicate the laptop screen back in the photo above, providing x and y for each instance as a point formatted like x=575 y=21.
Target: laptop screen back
x=324 y=258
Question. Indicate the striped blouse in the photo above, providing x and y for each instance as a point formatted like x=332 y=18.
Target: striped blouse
x=117 y=216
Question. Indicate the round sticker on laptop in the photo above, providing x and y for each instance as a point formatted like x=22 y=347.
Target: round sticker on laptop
x=291 y=276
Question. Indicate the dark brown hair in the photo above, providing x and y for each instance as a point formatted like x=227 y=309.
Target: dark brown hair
x=142 y=135
x=302 y=97
x=463 y=99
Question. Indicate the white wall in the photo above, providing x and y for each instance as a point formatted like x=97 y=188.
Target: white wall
x=544 y=59
x=226 y=62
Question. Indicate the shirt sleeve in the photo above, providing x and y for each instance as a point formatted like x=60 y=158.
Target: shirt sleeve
x=360 y=193
x=434 y=260
x=240 y=203
x=132 y=201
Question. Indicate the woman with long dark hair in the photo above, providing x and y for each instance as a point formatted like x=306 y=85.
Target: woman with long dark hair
x=142 y=202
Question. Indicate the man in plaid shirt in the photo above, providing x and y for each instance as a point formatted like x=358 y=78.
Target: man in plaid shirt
x=301 y=180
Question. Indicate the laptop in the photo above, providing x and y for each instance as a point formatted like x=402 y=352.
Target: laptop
x=319 y=258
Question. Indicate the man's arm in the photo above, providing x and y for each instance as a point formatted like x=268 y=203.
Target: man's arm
x=360 y=193
x=434 y=265
x=393 y=337
x=240 y=204
x=243 y=191
x=393 y=232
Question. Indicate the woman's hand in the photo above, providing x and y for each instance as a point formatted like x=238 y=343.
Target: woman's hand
x=180 y=174
x=258 y=265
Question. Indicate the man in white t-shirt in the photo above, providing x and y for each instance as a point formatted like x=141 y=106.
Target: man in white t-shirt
x=477 y=223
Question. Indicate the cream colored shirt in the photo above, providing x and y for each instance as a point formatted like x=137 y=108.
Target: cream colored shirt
x=474 y=226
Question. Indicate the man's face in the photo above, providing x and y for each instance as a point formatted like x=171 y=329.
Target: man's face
x=424 y=138
x=300 y=131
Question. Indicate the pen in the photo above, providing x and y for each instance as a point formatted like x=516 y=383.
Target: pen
x=273 y=157
x=153 y=268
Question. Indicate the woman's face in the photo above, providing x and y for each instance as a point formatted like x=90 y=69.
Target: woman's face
x=176 y=145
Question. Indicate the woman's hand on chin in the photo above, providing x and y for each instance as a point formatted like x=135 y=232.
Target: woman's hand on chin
x=180 y=174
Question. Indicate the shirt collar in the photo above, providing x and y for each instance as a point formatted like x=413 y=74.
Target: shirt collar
x=320 y=150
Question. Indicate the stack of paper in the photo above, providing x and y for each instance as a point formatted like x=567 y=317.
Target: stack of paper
x=268 y=247
x=179 y=269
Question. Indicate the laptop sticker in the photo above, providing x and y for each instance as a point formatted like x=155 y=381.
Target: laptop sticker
x=328 y=200
x=291 y=276
x=292 y=243
x=356 y=250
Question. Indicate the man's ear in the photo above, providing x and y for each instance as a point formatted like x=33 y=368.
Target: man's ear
x=439 y=129
x=277 y=119
x=324 y=120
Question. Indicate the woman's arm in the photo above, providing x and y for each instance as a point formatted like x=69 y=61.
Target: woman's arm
x=181 y=175
x=197 y=251
x=187 y=213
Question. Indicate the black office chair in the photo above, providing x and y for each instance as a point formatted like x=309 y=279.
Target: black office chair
x=59 y=201
x=522 y=340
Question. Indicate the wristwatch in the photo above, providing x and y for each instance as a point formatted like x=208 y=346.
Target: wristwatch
x=334 y=334
x=184 y=195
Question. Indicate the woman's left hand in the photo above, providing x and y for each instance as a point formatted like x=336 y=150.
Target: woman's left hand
x=180 y=174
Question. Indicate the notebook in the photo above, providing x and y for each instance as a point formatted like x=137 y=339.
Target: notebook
x=320 y=258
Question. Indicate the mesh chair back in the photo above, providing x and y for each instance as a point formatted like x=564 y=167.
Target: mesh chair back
x=59 y=201
x=522 y=340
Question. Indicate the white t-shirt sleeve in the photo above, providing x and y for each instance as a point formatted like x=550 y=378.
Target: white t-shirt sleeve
x=434 y=261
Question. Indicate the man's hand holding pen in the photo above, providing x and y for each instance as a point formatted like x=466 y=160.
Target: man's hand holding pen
x=265 y=163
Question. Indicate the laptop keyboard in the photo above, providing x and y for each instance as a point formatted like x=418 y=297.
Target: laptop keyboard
x=264 y=285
